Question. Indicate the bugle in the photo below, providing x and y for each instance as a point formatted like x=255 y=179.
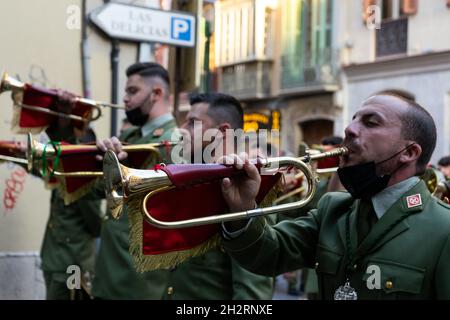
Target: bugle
x=10 y=152
x=436 y=184
x=74 y=168
x=37 y=106
x=322 y=172
x=37 y=151
x=123 y=183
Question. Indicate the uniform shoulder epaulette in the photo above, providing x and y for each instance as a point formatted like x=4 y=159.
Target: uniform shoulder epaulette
x=158 y=132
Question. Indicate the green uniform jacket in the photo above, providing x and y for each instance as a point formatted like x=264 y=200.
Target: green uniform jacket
x=310 y=280
x=116 y=275
x=216 y=276
x=70 y=235
x=413 y=257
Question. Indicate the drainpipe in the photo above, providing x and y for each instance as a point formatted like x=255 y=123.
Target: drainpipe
x=115 y=49
x=85 y=57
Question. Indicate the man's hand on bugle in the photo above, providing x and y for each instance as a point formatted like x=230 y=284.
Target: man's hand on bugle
x=240 y=192
x=113 y=144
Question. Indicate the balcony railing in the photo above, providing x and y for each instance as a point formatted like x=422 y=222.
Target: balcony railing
x=392 y=37
x=248 y=80
x=301 y=71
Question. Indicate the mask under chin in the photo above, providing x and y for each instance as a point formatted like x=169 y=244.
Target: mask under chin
x=136 y=117
x=361 y=180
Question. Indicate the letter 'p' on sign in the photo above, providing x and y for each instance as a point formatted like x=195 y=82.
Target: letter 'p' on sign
x=181 y=29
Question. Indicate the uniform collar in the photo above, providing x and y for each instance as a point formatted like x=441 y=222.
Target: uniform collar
x=383 y=200
x=155 y=123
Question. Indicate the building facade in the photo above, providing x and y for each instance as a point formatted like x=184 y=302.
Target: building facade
x=280 y=56
x=315 y=61
x=405 y=55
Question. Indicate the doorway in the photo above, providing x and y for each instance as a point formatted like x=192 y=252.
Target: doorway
x=314 y=130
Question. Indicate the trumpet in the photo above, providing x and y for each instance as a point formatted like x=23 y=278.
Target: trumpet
x=79 y=113
x=320 y=173
x=10 y=152
x=38 y=151
x=436 y=184
x=324 y=168
x=124 y=184
x=14 y=160
x=74 y=169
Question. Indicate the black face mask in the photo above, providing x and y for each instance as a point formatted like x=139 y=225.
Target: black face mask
x=361 y=180
x=136 y=117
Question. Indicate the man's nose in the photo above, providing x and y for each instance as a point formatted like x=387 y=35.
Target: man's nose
x=352 y=130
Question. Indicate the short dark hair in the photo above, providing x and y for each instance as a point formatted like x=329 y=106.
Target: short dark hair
x=332 y=141
x=444 y=161
x=149 y=69
x=222 y=107
x=418 y=125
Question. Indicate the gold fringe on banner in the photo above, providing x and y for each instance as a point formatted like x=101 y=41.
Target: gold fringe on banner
x=161 y=261
x=171 y=259
x=79 y=193
x=62 y=186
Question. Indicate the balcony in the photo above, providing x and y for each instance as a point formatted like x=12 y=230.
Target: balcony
x=305 y=72
x=247 y=80
x=392 y=38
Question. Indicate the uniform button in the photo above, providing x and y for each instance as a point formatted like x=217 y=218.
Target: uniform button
x=67 y=239
x=170 y=290
x=355 y=267
x=389 y=284
x=316 y=265
x=50 y=225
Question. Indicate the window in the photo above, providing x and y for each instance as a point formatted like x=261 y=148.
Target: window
x=392 y=37
x=307 y=39
x=238 y=33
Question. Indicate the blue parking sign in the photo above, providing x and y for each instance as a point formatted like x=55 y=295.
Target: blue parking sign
x=181 y=29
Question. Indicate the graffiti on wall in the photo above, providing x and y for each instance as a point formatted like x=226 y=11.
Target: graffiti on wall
x=14 y=186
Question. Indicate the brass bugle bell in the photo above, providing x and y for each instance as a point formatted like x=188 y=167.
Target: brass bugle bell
x=436 y=184
x=9 y=83
x=123 y=183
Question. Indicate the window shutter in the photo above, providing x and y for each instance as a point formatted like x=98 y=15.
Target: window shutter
x=409 y=7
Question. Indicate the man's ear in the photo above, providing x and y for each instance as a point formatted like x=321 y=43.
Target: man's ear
x=412 y=153
x=157 y=93
x=223 y=127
